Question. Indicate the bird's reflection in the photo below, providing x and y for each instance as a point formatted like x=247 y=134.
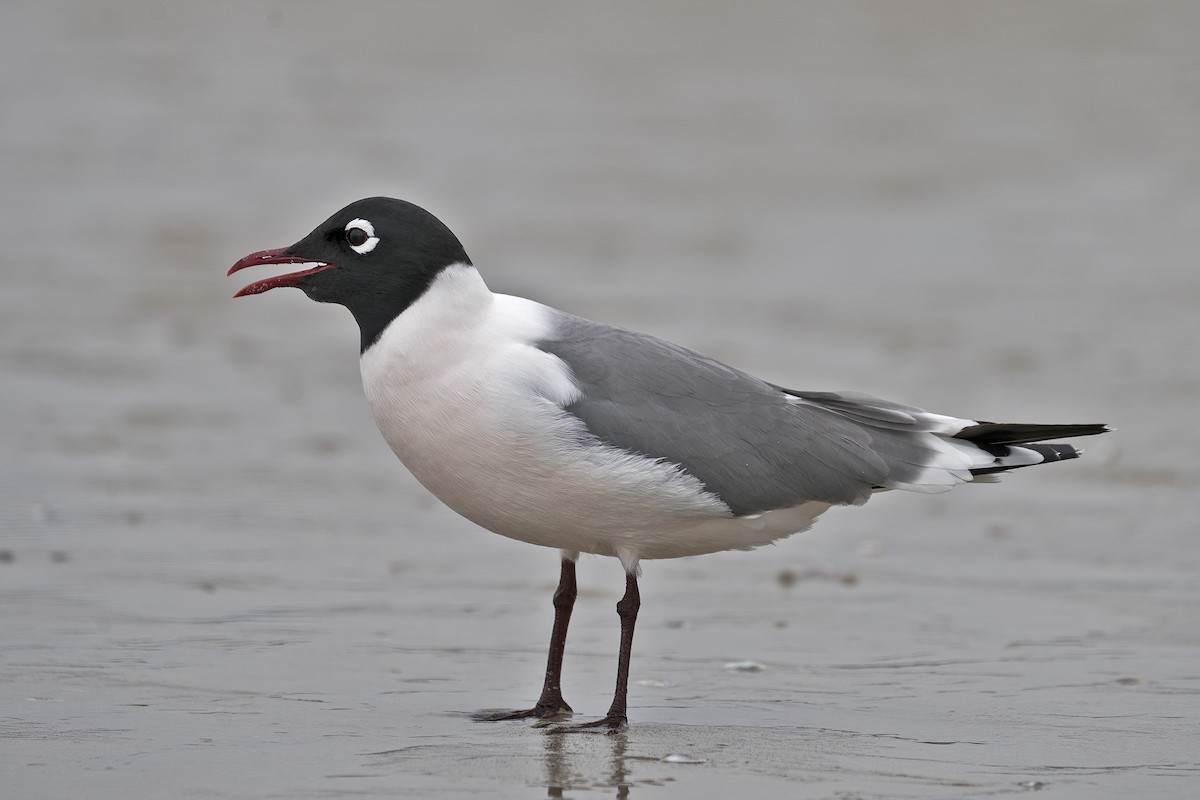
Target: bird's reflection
x=562 y=774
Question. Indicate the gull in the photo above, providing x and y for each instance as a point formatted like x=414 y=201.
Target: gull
x=562 y=432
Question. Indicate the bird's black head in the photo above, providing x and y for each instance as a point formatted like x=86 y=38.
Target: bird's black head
x=375 y=257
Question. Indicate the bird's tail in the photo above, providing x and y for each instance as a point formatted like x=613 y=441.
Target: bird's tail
x=1016 y=445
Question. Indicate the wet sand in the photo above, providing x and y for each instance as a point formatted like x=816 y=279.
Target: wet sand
x=217 y=582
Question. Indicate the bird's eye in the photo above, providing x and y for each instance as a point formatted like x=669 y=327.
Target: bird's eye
x=360 y=235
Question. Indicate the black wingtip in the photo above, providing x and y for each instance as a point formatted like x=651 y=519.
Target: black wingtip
x=1001 y=433
x=1055 y=452
x=1049 y=453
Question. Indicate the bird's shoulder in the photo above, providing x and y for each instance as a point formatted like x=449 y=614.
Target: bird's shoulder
x=626 y=366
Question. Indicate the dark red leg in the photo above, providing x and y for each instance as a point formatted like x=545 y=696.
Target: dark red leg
x=615 y=719
x=550 y=703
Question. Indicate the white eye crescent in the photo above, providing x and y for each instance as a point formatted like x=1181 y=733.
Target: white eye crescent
x=360 y=235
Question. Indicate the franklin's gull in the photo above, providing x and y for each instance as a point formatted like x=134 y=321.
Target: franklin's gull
x=558 y=431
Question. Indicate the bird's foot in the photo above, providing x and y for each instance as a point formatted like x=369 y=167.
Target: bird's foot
x=613 y=723
x=549 y=711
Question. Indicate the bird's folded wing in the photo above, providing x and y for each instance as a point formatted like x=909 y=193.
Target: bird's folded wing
x=754 y=445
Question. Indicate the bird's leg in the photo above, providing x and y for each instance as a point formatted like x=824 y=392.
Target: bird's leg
x=551 y=699
x=615 y=719
x=550 y=703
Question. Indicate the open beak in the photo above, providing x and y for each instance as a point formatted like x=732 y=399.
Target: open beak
x=277 y=256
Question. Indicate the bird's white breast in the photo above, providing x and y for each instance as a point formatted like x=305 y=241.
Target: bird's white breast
x=476 y=412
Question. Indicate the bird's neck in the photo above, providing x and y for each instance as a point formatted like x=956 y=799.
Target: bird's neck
x=431 y=331
x=376 y=308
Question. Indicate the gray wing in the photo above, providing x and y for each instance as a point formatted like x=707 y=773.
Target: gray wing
x=754 y=445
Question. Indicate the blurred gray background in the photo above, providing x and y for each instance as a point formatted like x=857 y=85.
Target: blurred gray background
x=216 y=581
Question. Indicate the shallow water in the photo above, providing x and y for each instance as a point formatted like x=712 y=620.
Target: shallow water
x=216 y=581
